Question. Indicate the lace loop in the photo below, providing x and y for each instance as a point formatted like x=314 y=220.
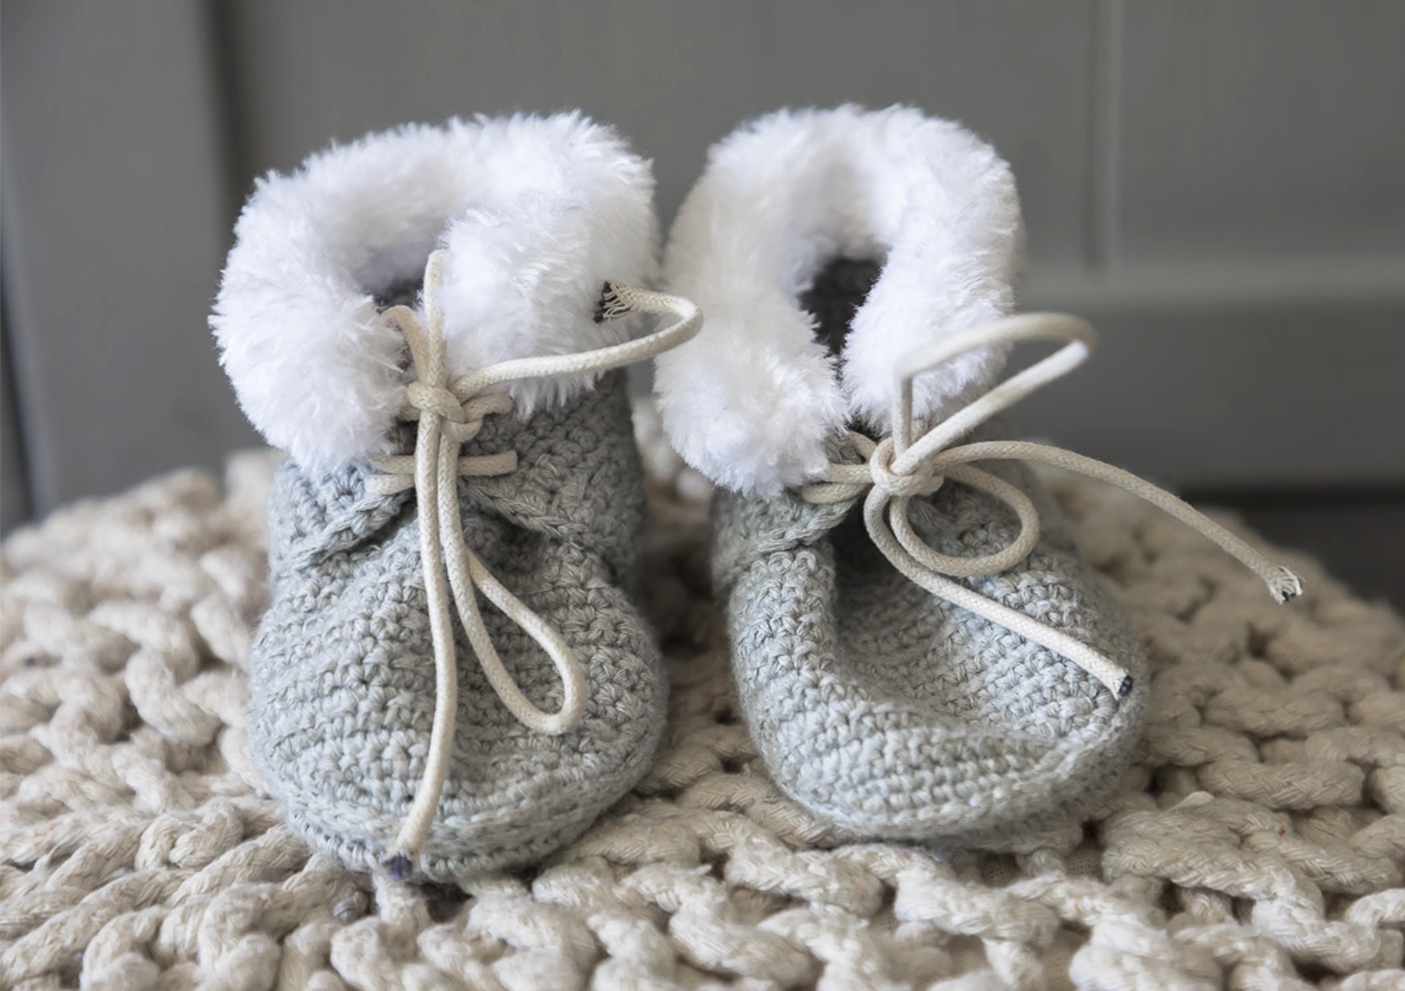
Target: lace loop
x=450 y=414
x=904 y=466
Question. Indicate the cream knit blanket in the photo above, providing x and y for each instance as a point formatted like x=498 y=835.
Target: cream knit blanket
x=1259 y=843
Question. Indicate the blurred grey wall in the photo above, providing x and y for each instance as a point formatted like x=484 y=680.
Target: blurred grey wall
x=1217 y=185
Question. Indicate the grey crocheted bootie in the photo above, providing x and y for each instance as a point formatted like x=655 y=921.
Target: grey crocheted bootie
x=919 y=649
x=894 y=713
x=452 y=675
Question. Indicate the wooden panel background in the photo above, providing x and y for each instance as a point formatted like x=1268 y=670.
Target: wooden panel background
x=1262 y=129
x=14 y=493
x=117 y=204
x=1219 y=186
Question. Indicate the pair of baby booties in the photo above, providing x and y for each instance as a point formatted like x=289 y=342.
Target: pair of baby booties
x=404 y=725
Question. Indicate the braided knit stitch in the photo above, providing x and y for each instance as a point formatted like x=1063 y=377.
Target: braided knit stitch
x=1257 y=843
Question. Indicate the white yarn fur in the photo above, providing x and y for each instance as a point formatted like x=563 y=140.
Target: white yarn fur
x=751 y=401
x=536 y=214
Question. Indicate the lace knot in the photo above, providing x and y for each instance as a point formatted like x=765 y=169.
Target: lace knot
x=425 y=397
x=904 y=465
x=894 y=484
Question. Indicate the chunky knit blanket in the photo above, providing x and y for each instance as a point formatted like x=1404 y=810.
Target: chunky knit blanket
x=1258 y=842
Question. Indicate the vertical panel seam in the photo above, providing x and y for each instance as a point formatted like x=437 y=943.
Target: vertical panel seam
x=18 y=369
x=1104 y=136
x=231 y=131
x=11 y=408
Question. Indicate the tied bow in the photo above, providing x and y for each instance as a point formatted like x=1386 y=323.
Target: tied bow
x=901 y=467
x=450 y=413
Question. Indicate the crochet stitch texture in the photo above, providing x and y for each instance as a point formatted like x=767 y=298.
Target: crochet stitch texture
x=1256 y=841
x=894 y=713
x=342 y=689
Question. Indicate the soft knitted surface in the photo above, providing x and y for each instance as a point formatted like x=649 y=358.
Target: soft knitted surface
x=1257 y=843
x=341 y=679
x=892 y=712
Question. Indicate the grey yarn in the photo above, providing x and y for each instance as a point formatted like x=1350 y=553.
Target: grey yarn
x=342 y=673
x=894 y=714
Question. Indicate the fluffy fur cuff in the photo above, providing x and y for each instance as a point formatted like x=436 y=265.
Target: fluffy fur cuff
x=536 y=214
x=753 y=398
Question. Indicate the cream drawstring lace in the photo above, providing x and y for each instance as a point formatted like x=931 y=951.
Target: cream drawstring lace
x=899 y=469
x=450 y=413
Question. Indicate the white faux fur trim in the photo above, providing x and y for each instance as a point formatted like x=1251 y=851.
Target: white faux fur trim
x=752 y=399
x=536 y=213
